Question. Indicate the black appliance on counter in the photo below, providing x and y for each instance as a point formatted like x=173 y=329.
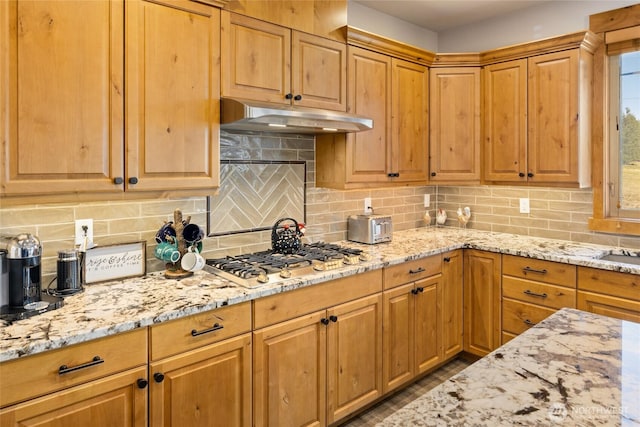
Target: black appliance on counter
x=260 y=268
x=24 y=280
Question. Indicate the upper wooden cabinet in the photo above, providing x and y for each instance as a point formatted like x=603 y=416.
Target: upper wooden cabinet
x=394 y=93
x=454 y=150
x=172 y=95
x=537 y=114
x=270 y=63
x=66 y=89
x=61 y=96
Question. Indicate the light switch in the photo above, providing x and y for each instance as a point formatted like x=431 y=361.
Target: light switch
x=524 y=205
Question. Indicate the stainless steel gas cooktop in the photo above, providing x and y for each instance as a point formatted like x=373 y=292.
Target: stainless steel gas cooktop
x=259 y=268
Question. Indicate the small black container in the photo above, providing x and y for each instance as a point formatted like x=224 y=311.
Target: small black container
x=69 y=275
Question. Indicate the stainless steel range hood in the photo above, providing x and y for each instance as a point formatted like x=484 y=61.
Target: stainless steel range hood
x=240 y=114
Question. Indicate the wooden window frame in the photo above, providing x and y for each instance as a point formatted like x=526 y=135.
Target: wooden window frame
x=617 y=27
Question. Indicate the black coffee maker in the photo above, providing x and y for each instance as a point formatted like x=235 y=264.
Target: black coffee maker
x=25 y=297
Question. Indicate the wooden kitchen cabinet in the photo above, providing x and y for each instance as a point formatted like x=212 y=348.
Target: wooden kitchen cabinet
x=609 y=293
x=532 y=290
x=269 y=63
x=101 y=382
x=537 y=113
x=454 y=150
x=71 y=105
x=418 y=320
x=200 y=369
x=394 y=93
x=482 y=271
x=61 y=96
x=452 y=303
x=315 y=362
x=172 y=95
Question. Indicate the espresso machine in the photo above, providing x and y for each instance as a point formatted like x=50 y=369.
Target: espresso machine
x=22 y=284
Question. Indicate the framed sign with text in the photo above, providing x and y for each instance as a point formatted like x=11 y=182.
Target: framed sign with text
x=113 y=262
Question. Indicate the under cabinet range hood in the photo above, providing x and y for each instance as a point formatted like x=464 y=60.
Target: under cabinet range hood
x=240 y=114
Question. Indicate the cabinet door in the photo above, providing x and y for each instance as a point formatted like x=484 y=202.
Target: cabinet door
x=319 y=72
x=61 y=96
x=482 y=272
x=452 y=296
x=172 y=95
x=553 y=117
x=210 y=386
x=505 y=121
x=454 y=124
x=256 y=59
x=289 y=373
x=116 y=400
x=354 y=356
x=368 y=157
x=398 y=336
x=428 y=324
x=410 y=121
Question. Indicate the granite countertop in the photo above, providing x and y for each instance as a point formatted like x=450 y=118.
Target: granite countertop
x=574 y=368
x=109 y=308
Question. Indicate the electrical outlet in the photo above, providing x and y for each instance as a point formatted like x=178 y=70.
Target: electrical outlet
x=81 y=233
x=524 y=205
x=427 y=200
x=368 y=209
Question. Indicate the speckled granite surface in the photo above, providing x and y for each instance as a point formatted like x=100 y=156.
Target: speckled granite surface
x=109 y=308
x=572 y=369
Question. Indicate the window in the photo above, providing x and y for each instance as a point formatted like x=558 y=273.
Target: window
x=616 y=122
x=623 y=181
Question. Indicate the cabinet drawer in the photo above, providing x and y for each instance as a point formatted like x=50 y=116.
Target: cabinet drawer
x=536 y=269
x=517 y=316
x=195 y=331
x=619 y=308
x=276 y=308
x=41 y=374
x=538 y=293
x=623 y=285
x=411 y=271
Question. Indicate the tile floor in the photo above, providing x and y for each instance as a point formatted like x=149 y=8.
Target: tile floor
x=398 y=400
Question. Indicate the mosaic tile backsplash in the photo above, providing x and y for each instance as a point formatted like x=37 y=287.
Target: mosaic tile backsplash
x=555 y=213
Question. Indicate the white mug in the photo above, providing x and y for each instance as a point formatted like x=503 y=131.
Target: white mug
x=192 y=260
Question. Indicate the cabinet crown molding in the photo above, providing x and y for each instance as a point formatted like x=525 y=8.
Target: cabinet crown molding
x=394 y=48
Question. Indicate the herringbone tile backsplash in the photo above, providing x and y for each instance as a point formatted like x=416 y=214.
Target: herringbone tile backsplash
x=555 y=213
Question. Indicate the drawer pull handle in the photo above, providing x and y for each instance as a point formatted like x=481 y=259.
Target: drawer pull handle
x=64 y=369
x=419 y=270
x=534 y=294
x=529 y=322
x=533 y=270
x=215 y=327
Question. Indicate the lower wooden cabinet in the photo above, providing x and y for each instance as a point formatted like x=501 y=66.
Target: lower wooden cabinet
x=320 y=367
x=208 y=387
x=117 y=400
x=609 y=293
x=482 y=272
x=452 y=307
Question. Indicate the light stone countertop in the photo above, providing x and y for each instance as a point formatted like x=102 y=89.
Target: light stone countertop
x=109 y=308
x=572 y=369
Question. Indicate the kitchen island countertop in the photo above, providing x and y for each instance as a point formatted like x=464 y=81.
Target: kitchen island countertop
x=572 y=369
x=108 y=308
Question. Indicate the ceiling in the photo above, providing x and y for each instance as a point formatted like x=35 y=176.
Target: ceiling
x=441 y=15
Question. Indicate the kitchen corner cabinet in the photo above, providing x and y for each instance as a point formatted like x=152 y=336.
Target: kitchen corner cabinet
x=537 y=119
x=62 y=96
x=200 y=369
x=99 y=383
x=454 y=150
x=269 y=63
x=172 y=95
x=482 y=271
x=609 y=293
x=318 y=352
x=71 y=106
x=452 y=303
x=394 y=93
